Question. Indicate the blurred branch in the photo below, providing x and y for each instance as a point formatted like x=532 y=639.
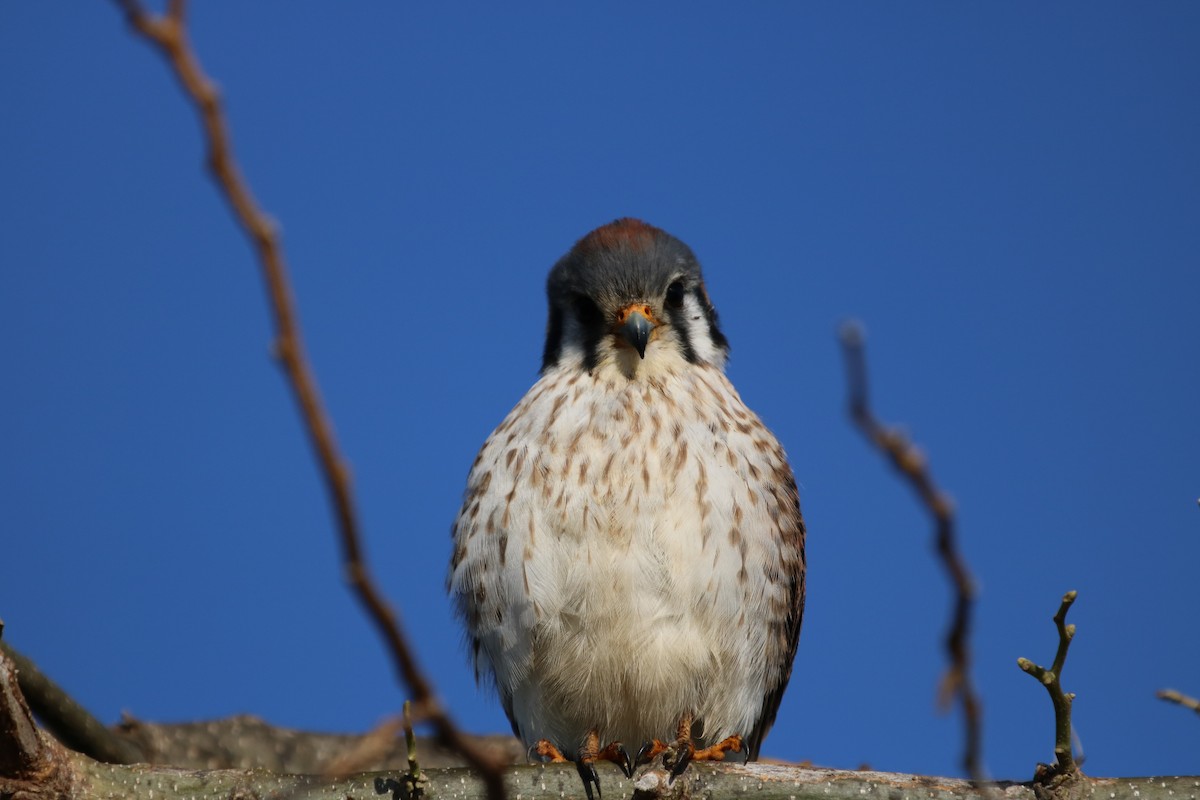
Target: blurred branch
x=24 y=755
x=367 y=750
x=239 y=742
x=70 y=722
x=168 y=33
x=1052 y=679
x=245 y=742
x=1172 y=696
x=906 y=458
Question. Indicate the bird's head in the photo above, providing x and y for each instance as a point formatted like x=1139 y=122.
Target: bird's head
x=630 y=296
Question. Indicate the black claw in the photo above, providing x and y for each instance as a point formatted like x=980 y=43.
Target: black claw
x=682 y=759
x=587 y=772
x=625 y=764
x=642 y=757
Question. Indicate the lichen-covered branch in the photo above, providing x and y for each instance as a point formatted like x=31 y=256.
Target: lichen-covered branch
x=36 y=767
x=906 y=458
x=168 y=33
x=1052 y=679
x=561 y=782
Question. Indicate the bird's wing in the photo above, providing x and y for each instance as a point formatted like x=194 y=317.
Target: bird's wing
x=792 y=532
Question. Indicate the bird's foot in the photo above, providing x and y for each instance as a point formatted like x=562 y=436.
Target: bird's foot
x=649 y=751
x=546 y=749
x=586 y=757
x=616 y=753
x=717 y=751
x=678 y=754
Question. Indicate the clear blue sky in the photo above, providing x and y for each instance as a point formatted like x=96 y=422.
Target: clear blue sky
x=1007 y=195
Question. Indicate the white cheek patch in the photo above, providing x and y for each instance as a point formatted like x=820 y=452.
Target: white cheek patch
x=573 y=348
x=698 y=333
x=578 y=350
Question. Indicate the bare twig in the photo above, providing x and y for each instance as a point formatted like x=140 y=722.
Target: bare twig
x=70 y=722
x=414 y=784
x=1052 y=679
x=169 y=34
x=410 y=742
x=906 y=458
x=1172 y=696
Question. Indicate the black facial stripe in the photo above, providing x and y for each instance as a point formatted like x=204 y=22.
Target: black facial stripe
x=591 y=349
x=679 y=322
x=592 y=329
x=554 y=335
x=590 y=323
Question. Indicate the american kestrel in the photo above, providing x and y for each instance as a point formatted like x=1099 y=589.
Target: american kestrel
x=629 y=557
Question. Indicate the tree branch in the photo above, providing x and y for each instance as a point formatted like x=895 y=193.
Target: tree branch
x=1052 y=680
x=239 y=742
x=43 y=769
x=168 y=33
x=911 y=464
x=23 y=751
x=561 y=782
x=71 y=723
x=247 y=741
x=1172 y=696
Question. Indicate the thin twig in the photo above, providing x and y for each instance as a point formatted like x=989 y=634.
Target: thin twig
x=168 y=33
x=415 y=782
x=906 y=458
x=1172 y=696
x=1052 y=680
x=410 y=742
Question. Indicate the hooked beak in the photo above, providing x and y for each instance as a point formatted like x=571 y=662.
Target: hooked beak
x=635 y=323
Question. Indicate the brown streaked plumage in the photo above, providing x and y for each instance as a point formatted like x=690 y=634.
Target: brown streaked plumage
x=659 y=592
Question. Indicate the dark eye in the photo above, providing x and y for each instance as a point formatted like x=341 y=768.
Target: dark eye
x=675 y=294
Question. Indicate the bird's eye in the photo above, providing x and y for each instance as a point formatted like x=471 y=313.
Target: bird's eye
x=675 y=294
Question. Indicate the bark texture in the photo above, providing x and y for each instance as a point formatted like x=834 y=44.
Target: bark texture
x=247 y=742
x=35 y=766
x=85 y=778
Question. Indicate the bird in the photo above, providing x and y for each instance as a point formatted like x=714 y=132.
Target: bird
x=628 y=561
